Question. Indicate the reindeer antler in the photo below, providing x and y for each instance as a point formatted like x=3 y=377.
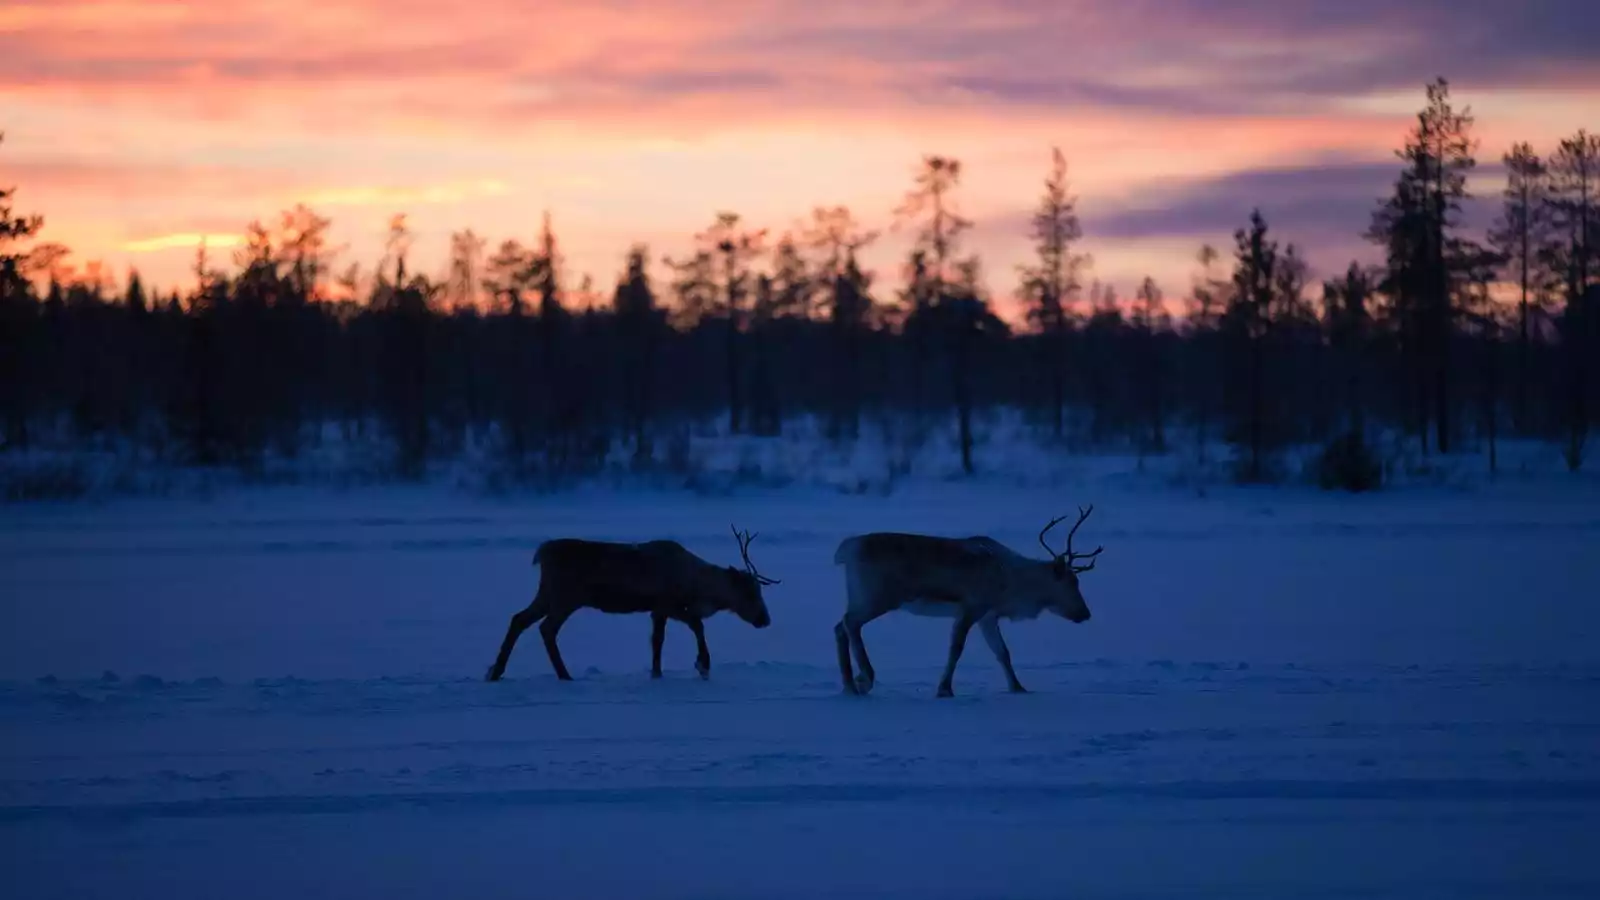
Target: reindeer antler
x=1073 y=557
x=744 y=539
x=1069 y=554
x=1046 y=530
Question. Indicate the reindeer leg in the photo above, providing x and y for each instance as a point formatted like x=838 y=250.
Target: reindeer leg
x=958 y=640
x=702 y=659
x=520 y=622
x=658 y=634
x=548 y=629
x=841 y=639
x=997 y=643
x=853 y=623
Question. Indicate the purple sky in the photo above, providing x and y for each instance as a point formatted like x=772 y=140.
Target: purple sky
x=136 y=127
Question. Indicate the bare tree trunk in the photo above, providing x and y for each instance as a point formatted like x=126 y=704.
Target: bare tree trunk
x=1521 y=423
x=735 y=397
x=1058 y=399
x=964 y=413
x=1491 y=391
x=1257 y=404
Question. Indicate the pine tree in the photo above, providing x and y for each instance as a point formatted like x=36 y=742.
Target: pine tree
x=640 y=325
x=466 y=269
x=848 y=304
x=558 y=404
x=1428 y=262
x=1348 y=304
x=1204 y=317
x=966 y=319
x=732 y=249
x=930 y=204
x=781 y=298
x=1248 y=323
x=1574 y=256
x=1051 y=286
x=1518 y=235
x=1483 y=317
x=850 y=320
x=1439 y=153
x=508 y=275
x=1150 y=321
x=19 y=314
x=930 y=207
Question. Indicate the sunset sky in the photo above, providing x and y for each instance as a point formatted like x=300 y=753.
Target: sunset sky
x=135 y=127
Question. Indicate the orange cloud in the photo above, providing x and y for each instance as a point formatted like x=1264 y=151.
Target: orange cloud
x=108 y=176
x=401 y=197
x=182 y=240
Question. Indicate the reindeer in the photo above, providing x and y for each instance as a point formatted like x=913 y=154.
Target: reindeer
x=658 y=577
x=974 y=580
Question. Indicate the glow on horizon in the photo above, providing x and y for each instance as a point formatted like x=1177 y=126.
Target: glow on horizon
x=136 y=128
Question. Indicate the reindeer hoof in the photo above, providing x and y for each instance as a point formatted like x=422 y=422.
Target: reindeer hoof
x=655 y=674
x=491 y=675
x=863 y=684
x=945 y=691
x=1018 y=689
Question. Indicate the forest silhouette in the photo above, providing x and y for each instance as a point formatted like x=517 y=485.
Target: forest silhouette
x=1454 y=337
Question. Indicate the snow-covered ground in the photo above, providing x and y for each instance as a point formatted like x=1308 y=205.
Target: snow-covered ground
x=1281 y=694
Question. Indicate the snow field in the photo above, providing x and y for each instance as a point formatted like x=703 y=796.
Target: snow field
x=1281 y=694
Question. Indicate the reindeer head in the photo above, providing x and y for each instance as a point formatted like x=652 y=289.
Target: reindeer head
x=1065 y=567
x=746 y=600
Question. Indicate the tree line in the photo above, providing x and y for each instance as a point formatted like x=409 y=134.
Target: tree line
x=1450 y=338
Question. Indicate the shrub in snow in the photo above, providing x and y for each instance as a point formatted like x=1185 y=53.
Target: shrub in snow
x=1348 y=464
